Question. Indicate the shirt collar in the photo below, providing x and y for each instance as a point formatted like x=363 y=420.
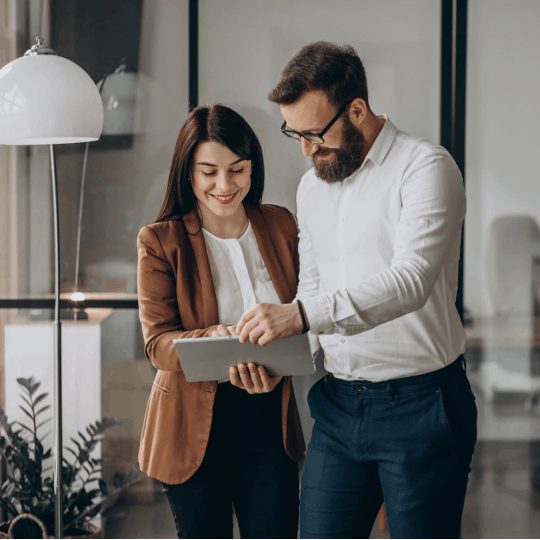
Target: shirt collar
x=383 y=142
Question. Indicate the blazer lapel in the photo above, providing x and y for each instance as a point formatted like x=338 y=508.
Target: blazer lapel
x=210 y=307
x=269 y=253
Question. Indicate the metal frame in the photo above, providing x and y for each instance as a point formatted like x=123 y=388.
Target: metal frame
x=453 y=95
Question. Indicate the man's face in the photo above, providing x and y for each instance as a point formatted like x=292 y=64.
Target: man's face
x=344 y=144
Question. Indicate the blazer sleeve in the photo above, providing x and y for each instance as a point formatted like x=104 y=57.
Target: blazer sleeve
x=158 y=304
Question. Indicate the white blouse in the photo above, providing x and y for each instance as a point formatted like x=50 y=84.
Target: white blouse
x=241 y=280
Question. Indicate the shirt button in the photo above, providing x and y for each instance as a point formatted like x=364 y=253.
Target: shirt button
x=342 y=340
x=341 y=218
x=341 y=259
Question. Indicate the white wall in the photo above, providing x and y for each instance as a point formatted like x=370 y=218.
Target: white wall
x=125 y=188
x=244 y=45
x=503 y=119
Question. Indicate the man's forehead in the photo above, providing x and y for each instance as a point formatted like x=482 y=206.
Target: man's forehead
x=309 y=113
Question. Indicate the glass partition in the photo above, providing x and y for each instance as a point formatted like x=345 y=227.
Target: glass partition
x=501 y=264
x=137 y=53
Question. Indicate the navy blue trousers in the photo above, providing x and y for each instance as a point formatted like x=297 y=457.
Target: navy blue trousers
x=407 y=442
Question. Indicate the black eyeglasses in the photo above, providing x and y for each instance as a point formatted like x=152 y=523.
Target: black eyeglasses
x=315 y=138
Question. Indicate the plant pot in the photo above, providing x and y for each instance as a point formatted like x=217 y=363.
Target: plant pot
x=88 y=531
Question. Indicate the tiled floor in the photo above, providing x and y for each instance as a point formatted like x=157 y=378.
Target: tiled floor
x=503 y=499
x=501 y=502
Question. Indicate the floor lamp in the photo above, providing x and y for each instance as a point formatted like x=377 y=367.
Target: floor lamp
x=47 y=99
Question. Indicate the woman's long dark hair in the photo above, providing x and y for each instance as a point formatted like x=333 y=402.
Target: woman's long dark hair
x=218 y=124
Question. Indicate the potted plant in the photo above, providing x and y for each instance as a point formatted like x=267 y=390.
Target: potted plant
x=27 y=494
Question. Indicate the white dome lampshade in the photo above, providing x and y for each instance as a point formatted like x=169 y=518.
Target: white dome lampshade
x=120 y=96
x=47 y=99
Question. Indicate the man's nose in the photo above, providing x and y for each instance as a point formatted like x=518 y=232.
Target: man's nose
x=308 y=148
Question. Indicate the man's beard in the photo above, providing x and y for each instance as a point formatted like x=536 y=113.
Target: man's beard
x=347 y=159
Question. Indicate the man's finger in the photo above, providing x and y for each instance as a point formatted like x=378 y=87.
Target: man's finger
x=256 y=334
x=248 y=327
x=235 y=378
x=247 y=316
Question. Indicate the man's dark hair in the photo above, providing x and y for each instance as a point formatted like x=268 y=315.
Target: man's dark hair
x=335 y=69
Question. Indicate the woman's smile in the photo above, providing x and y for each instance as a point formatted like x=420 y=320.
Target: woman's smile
x=225 y=199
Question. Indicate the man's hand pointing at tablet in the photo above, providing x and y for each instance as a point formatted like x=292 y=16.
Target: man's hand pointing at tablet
x=267 y=322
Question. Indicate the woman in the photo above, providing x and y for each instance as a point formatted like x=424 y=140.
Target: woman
x=213 y=253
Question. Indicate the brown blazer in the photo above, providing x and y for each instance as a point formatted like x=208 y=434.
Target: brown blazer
x=177 y=300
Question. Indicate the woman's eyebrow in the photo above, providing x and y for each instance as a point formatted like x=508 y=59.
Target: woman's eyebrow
x=214 y=165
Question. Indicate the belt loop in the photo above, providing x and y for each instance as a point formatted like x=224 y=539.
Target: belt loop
x=392 y=395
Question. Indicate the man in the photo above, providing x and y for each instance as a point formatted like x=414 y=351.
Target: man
x=380 y=217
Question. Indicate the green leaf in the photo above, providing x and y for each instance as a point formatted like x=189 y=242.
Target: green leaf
x=34 y=387
x=40 y=398
x=27 y=401
x=25 y=427
x=43 y=410
x=43 y=423
x=77 y=444
x=26 y=412
x=26 y=383
x=103 y=487
x=22 y=496
x=73 y=452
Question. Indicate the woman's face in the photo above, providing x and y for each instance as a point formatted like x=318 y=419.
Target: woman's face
x=220 y=179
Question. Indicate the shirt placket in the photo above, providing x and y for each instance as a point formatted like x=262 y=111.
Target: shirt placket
x=343 y=349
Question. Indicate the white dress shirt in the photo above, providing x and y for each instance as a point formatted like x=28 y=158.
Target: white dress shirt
x=379 y=257
x=241 y=280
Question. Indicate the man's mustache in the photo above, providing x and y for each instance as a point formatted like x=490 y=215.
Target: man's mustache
x=322 y=151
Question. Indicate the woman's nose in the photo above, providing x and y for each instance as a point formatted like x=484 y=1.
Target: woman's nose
x=224 y=182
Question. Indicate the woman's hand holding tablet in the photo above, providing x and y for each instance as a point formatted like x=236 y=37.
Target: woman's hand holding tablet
x=251 y=378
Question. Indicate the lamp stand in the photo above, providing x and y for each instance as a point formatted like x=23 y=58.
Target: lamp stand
x=58 y=443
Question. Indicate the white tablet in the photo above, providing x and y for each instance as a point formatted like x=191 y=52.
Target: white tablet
x=209 y=359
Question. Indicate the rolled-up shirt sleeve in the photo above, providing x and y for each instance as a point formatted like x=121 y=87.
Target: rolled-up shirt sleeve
x=432 y=213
